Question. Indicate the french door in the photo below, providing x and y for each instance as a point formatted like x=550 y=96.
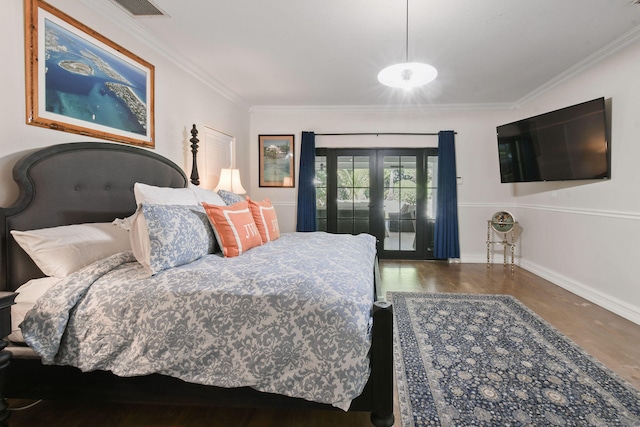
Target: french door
x=389 y=193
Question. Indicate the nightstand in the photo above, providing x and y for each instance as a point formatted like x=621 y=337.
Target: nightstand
x=6 y=301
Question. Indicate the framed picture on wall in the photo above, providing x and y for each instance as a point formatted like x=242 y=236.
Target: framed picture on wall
x=277 y=156
x=81 y=82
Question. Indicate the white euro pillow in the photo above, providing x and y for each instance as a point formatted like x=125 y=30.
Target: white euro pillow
x=207 y=196
x=153 y=195
x=60 y=251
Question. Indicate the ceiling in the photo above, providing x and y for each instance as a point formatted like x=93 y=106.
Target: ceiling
x=329 y=52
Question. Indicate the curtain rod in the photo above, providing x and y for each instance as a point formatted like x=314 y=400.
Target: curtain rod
x=378 y=133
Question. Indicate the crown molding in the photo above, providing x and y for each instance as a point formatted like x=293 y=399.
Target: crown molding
x=391 y=108
x=120 y=17
x=123 y=19
x=625 y=40
x=620 y=43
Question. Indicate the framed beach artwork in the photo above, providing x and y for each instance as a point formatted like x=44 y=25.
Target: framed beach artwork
x=277 y=157
x=81 y=82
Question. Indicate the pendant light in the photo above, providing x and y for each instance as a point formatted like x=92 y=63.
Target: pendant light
x=407 y=75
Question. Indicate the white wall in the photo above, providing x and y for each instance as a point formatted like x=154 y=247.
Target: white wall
x=180 y=98
x=480 y=193
x=583 y=236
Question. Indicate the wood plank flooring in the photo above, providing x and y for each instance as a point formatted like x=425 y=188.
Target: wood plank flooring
x=608 y=337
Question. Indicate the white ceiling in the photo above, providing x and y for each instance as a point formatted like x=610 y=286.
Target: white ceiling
x=329 y=52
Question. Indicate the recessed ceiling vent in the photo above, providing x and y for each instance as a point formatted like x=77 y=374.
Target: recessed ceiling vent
x=140 y=7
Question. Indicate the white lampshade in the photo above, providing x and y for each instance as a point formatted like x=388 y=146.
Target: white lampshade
x=407 y=75
x=230 y=181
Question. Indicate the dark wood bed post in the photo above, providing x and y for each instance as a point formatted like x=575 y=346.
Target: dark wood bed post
x=195 y=177
x=382 y=364
x=6 y=301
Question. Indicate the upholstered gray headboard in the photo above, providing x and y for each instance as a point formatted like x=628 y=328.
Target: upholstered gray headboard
x=72 y=184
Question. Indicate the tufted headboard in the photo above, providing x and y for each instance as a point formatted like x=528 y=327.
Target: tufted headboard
x=71 y=184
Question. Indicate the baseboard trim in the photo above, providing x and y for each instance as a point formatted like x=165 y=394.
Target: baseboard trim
x=608 y=302
x=619 y=307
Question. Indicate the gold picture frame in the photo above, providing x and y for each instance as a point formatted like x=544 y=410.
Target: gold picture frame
x=277 y=161
x=79 y=81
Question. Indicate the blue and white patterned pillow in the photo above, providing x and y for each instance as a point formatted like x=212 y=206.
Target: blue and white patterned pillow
x=229 y=197
x=177 y=235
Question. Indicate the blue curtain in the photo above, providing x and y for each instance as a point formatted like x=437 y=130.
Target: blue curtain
x=306 y=187
x=446 y=243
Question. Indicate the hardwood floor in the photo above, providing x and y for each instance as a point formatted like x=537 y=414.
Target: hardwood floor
x=609 y=338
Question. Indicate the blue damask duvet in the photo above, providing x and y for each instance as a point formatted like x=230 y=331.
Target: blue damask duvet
x=290 y=317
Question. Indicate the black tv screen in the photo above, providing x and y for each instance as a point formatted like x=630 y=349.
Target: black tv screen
x=566 y=144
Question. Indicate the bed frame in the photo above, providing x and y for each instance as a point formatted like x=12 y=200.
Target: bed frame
x=93 y=182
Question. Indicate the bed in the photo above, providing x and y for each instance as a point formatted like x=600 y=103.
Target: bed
x=80 y=183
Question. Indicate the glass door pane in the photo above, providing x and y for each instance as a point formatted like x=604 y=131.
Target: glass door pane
x=321 y=193
x=389 y=193
x=353 y=194
x=432 y=186
x=400 y=175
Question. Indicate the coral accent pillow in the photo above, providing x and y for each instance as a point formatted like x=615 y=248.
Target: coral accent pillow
x=234 y=227
x=264 y=215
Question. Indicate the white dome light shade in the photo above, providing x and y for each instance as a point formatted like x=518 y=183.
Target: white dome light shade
x=407 y=75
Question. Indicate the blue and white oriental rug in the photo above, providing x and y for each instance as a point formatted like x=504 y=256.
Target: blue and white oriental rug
x=487 y=360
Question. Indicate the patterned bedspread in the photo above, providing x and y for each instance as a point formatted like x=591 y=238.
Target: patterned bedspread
x=290 y=317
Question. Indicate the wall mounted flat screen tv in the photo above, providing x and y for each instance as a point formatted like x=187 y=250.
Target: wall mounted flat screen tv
x=566 y=144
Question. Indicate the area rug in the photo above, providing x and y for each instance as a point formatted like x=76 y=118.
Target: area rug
x=487 y=360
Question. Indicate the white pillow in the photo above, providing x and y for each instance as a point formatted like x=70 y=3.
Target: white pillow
x=163 y=195
x=149 y=194
x=60 y=251
x=139 y=238
x=27 y=296
x=208 y=196
x=124 y=223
